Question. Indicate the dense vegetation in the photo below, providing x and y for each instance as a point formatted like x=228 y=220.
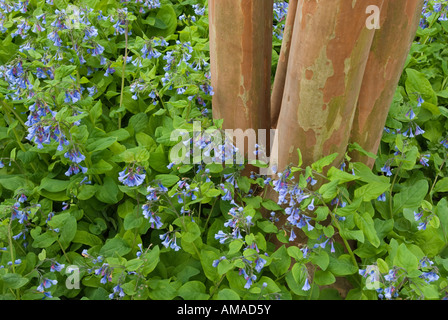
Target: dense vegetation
x=93 y=207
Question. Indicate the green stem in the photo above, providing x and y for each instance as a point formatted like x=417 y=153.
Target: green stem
x=11 y=250
x=18 y=140
x=392 y=189
x=437 y=176
x=123 y=73
x=88 y=161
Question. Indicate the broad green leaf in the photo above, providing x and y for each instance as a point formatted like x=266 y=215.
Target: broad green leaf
x=342 y=176
x=365 y=223
x=324 y=278
x=371 y=191
x=410 y=197
x=228 y=294
x=115 y=245
x=322 y=259
x=326 y=161
x=193 y=290
x=417 y=83
x=281 y=262
x=342 y=266
x=406 y=259
x=13 y=281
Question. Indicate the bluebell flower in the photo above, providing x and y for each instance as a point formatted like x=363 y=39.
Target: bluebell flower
x=259 y=263
x=425 y=262
x=311 y=205
x=420 y=101
x=217 y=261
x=45 y=284
x=117 y=290
x=150 y=215
x=388 y=292
x=410 y=114
x=306 y=286
x=55 y=266
x=422 y=225
x=109 y=71
x=418 y=215
x=430 y=276
x=382 y=197
x=386 y=169
x=132 y=177
x=75 y=169
x=221 y=236
x=418 y=130
x=424 y=159
x=75 y=155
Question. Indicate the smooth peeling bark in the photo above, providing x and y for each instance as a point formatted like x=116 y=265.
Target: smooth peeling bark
x=282 y=66
x=240 y=59
x=390 y=48
x=329 y=51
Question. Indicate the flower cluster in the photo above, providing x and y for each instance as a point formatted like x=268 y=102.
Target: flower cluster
x=280 y=12
x=439 y=8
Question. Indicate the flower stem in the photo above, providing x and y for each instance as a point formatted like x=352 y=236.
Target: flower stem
x=123 y=73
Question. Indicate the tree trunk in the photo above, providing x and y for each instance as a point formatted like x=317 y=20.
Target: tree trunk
x=282 y=66
x=388 y=55
x=329 y=51
x=241 y=59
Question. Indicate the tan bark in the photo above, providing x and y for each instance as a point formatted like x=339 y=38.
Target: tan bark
x=282 y=66
x=387 y=57
x=240 y=58
x=329 y=51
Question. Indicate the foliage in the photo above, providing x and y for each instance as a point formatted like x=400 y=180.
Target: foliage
x=90 y=95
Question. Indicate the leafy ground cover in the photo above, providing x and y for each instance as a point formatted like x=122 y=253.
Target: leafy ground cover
x=92 y=205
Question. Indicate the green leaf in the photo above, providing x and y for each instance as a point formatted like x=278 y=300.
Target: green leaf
x=193 y=290
x=54 y=185
x=228 y=294
x=441 y=185
x=281 y=262
x=13 y=281
x=167 y=180
x=45 y=240
x=86 y=238
x=108 y=192
x=343 y=177
x=342 y=266
x=442 y=213
x=100 y=167
x=100 y=144
x=151 y=259
x=410 y=197
x=320 y=164
x=417 y=83
x=371 y=191
x=115 y=245
x=271 y=205
x=365 y=223
x=324 y=278
x=321 y=259
x=406 y=259
x=63 y=71
x=295 y=253
x=207 y=258
x=192 y=233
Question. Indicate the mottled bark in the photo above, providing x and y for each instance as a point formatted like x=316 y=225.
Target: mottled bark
x=329 y=51
x=241 y=58
x=390 y=48
x=282 y=66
